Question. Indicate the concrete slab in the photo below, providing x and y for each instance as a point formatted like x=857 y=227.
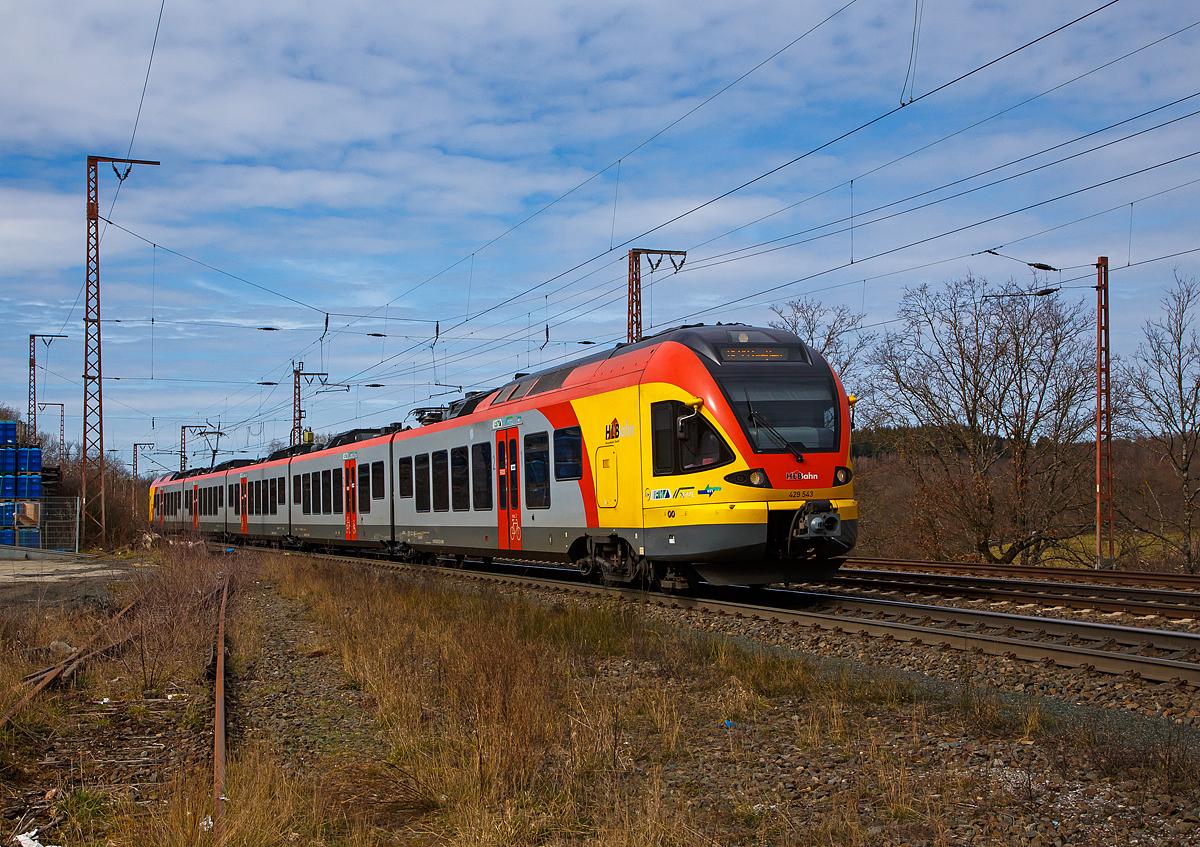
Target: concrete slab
x=57 y=569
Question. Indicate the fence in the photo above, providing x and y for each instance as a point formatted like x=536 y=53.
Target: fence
x=60 y=523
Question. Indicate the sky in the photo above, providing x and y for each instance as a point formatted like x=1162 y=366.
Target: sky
x=421 y=199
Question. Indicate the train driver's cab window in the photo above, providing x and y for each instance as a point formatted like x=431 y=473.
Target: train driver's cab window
x=684 y=441
x=781 y=415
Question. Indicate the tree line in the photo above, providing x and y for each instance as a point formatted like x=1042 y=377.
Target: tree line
x=975 y=427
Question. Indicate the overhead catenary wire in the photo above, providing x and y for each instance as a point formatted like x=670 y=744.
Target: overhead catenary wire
x=848 y=133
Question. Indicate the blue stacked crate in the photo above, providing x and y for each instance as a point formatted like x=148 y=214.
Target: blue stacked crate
x=8 y=482
x=29 y=496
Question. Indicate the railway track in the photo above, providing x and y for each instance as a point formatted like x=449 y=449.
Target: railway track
x=1150 y=654
x=1167 y=603
x=1089 y=576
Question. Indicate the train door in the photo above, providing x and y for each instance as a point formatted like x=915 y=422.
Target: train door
x=350 y=492
x=195 y=506
x=508 y=489
x=606 y=477
x=242 y=502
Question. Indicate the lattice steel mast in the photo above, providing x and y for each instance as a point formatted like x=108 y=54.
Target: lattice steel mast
x=92 y=449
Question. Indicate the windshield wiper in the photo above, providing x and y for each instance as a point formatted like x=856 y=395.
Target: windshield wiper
x=756 y=419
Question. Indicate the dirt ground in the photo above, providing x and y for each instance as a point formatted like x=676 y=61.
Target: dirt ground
x=63 y=580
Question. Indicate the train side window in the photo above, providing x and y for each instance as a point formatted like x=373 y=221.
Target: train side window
x=306 y=493
x=421 y=478
x=327 y=492
x=220 y=496
x=537 y=470
x=481 y=459
x=296 y=483
x=377 y=490
x=282 y=489
x=441 y=482
x=258 y=497
x=405 y=485
x=272 y=495
x=364 y=489
x=235 y=497
x=460 y=480
x=339 y=491
x=568 y=453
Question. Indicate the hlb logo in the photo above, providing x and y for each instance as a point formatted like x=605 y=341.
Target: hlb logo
x=794 y=476
x=613 y=430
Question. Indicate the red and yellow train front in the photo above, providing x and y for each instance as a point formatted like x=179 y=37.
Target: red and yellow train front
x=744 y=450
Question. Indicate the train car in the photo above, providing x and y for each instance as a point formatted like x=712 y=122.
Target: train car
x=704 y=452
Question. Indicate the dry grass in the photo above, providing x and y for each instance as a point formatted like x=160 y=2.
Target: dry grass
x=509 y=723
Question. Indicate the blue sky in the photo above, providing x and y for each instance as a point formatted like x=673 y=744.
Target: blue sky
x=391 y=165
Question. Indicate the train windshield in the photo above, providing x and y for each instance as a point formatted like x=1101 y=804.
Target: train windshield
x=777 y=409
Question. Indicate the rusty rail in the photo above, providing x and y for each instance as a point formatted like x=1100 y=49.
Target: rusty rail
x=219 y=726
x=53 y=673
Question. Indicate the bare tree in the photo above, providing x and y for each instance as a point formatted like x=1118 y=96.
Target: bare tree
x=834 y=332
x=1160 y=391
x=988 y=390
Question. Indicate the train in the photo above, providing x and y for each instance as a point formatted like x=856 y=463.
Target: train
x=715 y=453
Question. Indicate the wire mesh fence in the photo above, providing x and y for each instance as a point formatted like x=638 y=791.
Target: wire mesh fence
x=60 y=523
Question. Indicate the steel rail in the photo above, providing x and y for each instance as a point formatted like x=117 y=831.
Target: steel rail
x=219 y=726
x=1142 y=601
x=1186 y=582
x=1127 y=636
x=1104 y=661
x=53 y=673
x=1153 y=668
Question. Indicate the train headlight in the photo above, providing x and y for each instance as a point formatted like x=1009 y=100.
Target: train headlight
x=756 y=478
x=841 y=476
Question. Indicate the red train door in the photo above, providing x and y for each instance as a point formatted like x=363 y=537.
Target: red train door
x=508 y=489
x=195 y=506
x=242 y=502
x=350 y=486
